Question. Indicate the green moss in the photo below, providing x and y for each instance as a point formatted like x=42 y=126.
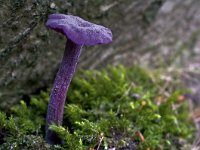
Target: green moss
x=104 y=108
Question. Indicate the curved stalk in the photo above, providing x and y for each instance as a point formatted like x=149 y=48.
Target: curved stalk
x=60 y=88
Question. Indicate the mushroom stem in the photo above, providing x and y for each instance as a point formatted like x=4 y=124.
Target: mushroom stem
x=60 y=88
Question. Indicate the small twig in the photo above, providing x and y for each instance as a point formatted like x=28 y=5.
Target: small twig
x=100 y=141
x=98 y=144
x=141 y=136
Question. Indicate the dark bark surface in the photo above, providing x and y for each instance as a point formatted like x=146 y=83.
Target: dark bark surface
x=145 y=32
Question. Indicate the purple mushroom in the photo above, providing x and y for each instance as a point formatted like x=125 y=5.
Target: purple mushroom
x=78 y=32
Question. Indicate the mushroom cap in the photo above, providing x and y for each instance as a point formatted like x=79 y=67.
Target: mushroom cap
x=78 y=30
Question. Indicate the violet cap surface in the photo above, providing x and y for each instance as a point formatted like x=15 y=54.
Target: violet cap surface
x=78 y=30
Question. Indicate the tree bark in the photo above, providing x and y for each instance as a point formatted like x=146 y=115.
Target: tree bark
x=145 y=32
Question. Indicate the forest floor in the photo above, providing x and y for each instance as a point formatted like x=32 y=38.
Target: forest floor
x=112 y=109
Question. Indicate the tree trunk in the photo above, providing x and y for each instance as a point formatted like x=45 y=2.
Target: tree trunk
x=30 y=54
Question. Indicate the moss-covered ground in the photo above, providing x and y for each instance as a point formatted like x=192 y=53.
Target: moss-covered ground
x=115 y=108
